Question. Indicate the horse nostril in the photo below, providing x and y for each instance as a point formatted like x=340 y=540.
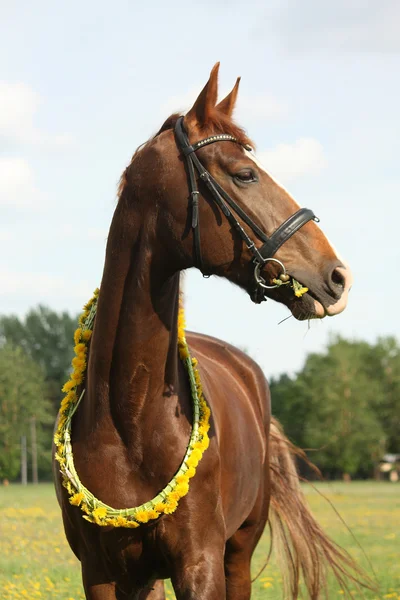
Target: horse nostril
x=338 y=278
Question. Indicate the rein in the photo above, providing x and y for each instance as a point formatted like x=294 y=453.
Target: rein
x=228 y=206
x=166 y=502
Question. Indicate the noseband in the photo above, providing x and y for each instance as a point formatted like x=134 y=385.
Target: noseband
x=270 y=245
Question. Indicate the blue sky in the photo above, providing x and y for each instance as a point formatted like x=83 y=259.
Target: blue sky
x=83 y=84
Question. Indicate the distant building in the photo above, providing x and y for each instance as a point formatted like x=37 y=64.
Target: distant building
x=389 y=466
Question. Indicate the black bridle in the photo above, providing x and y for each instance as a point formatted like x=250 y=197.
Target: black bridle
x=226 y=203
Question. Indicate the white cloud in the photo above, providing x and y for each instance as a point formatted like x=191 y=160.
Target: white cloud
x=290 y=161
x=17 y=184
x=19 y=104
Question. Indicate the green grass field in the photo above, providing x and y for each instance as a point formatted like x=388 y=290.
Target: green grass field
x=36 y=562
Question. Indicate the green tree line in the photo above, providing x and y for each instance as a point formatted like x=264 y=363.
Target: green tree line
x=344 y=404
x=35 y=360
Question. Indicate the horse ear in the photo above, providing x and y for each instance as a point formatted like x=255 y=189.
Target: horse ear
x=227 y=105
x=207 y=99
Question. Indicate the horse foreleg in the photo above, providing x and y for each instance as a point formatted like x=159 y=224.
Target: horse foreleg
x=205 y=578
x=101 y=591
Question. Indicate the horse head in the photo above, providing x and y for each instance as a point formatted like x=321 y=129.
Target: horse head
x=227 y=226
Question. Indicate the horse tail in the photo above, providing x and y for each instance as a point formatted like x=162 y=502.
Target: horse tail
x=303 y=549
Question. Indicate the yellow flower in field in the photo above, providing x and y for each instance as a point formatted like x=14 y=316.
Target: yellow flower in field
x=49 y=582
x=267 y=584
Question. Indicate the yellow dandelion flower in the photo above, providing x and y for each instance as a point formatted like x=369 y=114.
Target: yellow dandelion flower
x=60 y=459
x=86 y=335
x=77 y=499
x=85 y=508
x=61 y=422
x=142 y=516
x=79 y=348
x=67 y=484
x=153 y=514
x=78 y=362
x=83 y=317
x=120 y=522
x=173 y=497
x=183 y=351
x=131 y=524
x=77 y=377
x=194 y=458
x=68 y=386
x=181 y=478
x=182 y=489
x=204 y=428
x=99 y=513
x=159 y=507
x=77 y=335
x=65 y=402
x=191 y=472
x=299 y=293
x=170 y=506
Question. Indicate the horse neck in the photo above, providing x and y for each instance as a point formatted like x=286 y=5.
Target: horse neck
x=133 y=354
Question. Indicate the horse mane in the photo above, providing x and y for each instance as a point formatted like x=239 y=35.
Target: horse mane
x=218 y=122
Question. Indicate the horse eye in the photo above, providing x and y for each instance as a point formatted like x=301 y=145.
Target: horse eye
x=246 y=175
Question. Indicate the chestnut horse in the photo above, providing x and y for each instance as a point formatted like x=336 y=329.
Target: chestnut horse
x=131 y=431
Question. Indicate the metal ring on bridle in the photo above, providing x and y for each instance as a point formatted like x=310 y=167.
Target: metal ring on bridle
x=260 y=280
